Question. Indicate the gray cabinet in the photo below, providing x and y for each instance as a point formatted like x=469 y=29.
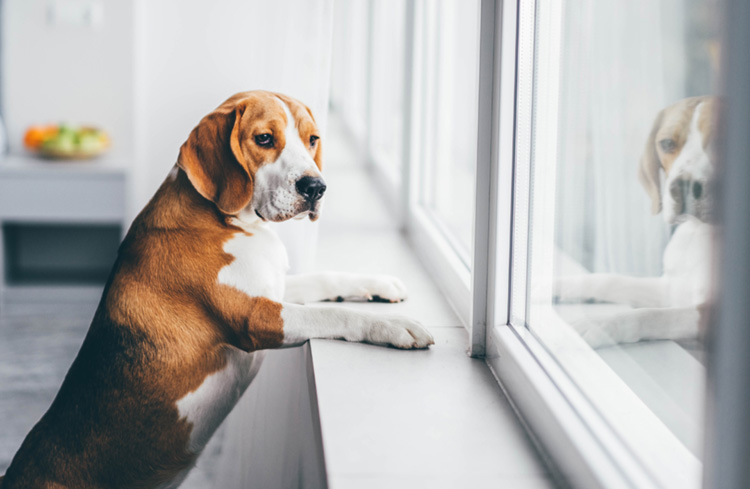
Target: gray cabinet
x=60 y=225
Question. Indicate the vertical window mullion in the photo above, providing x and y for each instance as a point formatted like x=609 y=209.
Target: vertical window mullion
x=411 y=129
x=485 y=203
x=522 y=160
x=500 y=263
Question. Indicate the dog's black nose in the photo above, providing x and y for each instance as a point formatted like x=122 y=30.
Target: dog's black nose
x=697 y=190
x=311 y=188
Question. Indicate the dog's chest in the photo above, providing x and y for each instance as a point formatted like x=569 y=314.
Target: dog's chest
x=687 y=262
x=260 y=263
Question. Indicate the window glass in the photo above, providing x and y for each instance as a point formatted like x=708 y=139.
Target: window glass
x=349 y=65
x=387 y=85
x=449 y=116
x=615 y=205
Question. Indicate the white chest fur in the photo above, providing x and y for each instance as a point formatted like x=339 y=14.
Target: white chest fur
x=260 y=262
x=687 y=263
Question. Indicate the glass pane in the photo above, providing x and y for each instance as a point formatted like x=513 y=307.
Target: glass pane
x=349 y=64
x=450 y=77
x=387 y=84
x=621 y=206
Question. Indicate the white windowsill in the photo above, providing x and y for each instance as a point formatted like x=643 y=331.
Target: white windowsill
x=433 y=418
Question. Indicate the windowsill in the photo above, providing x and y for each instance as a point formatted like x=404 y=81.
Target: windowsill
x=435 y=418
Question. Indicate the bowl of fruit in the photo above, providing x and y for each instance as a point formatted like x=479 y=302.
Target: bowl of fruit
x=66 y=141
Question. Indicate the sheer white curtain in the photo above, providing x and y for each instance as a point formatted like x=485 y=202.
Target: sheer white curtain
x=622 y=62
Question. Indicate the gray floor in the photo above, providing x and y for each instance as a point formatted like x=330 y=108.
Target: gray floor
x=37 y=345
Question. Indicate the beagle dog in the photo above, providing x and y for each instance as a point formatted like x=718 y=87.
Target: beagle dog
x=677 y=170
x=197 y=292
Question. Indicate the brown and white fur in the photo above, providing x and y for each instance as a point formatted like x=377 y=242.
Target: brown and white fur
x=197 y=292
x=677 y=171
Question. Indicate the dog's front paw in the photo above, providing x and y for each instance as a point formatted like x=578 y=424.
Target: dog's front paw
x=610 y=330
x=400 y=332
x=381 y=288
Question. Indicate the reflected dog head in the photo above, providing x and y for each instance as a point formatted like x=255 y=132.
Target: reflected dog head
x=257 y=153
x=680 y=146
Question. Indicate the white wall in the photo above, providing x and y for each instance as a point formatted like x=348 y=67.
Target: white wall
x=55 y=73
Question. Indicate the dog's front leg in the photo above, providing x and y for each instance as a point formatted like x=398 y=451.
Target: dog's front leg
x=608 y=287
x=338 y=286
x=302 y=323
x=258 y=323
x=639 y=325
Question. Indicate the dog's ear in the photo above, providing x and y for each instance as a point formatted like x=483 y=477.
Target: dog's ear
x=318 y=158
x=648 y=171
x=213 y=161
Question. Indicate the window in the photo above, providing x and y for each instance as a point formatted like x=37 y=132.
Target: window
x=415 y=114
x=387 y=84
x=534 y=145
x=599 y=91
x=448 y=111
x=349 y=73
x=607 y=96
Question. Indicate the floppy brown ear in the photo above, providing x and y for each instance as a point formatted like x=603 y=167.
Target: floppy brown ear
x=648 y=171
x=212 y=159
x=318 y=157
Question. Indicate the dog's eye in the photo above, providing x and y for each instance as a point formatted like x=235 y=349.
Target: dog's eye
x=264 y=140
x=313 y=140
x=668 y=145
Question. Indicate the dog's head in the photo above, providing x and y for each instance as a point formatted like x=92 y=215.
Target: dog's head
x=680 y=146
x=258 y=152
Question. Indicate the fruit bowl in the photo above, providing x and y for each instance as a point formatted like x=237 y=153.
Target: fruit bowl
x=66 y=142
